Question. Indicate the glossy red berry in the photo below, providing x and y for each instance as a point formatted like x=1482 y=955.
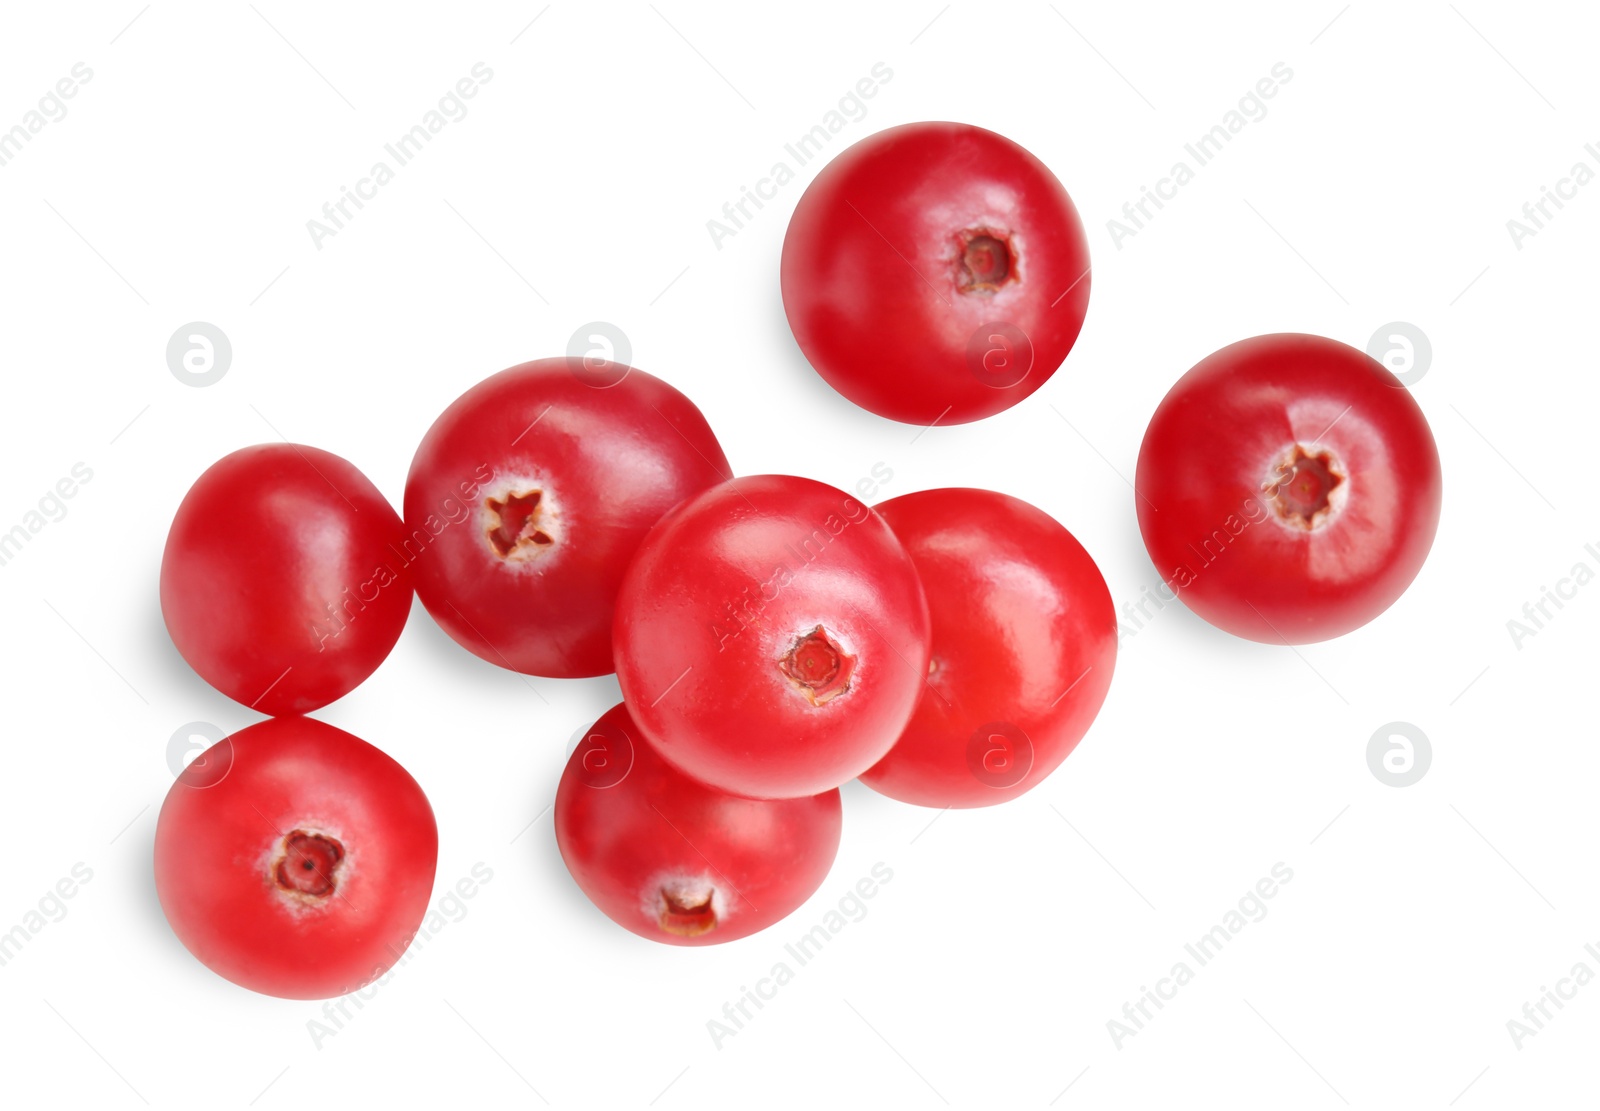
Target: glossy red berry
x=295 y=859
x=1288 y=488
x=528 y=497
x=284 y=583
x=1023 y=646
x=772 y=637
x=935 y=272
x=679 y=862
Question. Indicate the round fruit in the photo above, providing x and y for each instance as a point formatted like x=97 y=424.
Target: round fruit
x=679 y=862
x=527 y=499
x=283 y=582
x=772 y=637
x=935 y=272
x=1024 y=643
x=295 y=859
x=1288 y=489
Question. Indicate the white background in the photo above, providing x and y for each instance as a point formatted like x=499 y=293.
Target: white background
x=1377 y=188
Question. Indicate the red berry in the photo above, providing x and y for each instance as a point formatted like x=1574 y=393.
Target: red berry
x=295 y=859
x=1288 y=488
x=772 y=637
x=1024 y=642
x=935 y=272
x=679 y=862
x=528 y=497
x=283 y=582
